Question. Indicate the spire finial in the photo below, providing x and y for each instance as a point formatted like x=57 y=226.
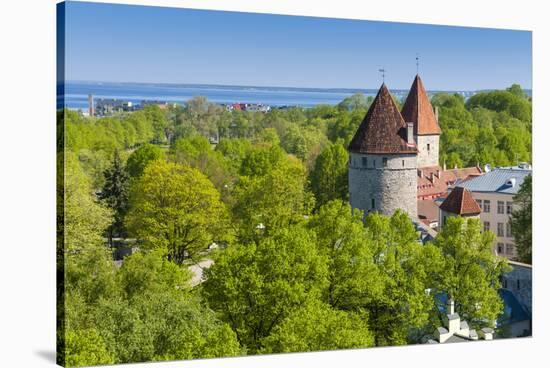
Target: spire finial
x=383 y=71
x=417 y=62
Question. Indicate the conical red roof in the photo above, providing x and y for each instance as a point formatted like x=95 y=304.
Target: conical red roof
x=461 y=202
x=419 y=110
x=383 y=129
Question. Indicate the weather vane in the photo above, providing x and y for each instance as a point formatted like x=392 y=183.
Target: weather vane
x=383 y=71
x=417 y=62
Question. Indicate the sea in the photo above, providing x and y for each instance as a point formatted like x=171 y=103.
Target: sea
x=76 y=94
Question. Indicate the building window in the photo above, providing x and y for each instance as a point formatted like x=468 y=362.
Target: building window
x=384 y=161
x=428 y=145
x=508 y=208
x=508 y=230
x=500 y=229
x=500 y=207
x=486 y=226
x=486 y=206
x=500 y=248
x=372 y=203
x=509 y=249
x=517 y=284
x=505 y=284
x=479 y=203
x=403 y=162
x=365 y=162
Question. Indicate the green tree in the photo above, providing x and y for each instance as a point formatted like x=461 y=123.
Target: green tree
x=85 y=348
x=329 y=178
x=151 y=273
x=470 y=274
x=85 y=219
x=197 y=152
x=115 y=194
x=255 y=287
x=141 y=157
x=176 y=208
x=272 y=201
x=354 y=278
x=522 y=221
x=316 y=326
x=406 y=269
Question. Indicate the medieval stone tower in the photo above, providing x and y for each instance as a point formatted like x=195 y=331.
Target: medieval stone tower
x=383 y=160
x=418 y=110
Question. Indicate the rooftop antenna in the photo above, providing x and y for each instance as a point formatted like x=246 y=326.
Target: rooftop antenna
x=417 y=62
x=383 y=71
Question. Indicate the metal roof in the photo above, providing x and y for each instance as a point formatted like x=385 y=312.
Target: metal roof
x=498 y=181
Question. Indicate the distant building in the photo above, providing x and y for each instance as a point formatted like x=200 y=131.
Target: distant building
x=111 y=106
x=161 y=104
x=459 y=202
x=253 y=107
x=494 y=192
x=91 y=109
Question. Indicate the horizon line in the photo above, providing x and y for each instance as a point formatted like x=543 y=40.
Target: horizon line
x=289 y=87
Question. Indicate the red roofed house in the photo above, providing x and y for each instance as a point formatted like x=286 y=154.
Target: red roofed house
x=459 y=202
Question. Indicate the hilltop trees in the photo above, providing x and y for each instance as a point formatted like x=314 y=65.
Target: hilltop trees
x=491 y=127
x=176 y=208
x=522 y=221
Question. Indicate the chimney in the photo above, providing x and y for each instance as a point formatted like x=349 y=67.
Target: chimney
x=437 y=114
x=410 y=136
x=450 y=306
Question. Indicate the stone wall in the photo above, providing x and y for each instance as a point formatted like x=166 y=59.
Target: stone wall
x=427 y=157
x=392 y=185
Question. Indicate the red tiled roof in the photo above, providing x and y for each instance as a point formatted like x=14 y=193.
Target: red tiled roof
x=434 y=182
x=383 y=129
x=419 y=110
x=461 y=202
x=428 y=211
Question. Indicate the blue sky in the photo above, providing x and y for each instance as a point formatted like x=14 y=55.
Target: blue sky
x=126 y=43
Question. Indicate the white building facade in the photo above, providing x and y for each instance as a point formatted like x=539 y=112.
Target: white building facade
x=494 y=192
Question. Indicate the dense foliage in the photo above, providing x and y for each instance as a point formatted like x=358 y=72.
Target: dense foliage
x=522 y=221
x=264 y=196
x=490 y=128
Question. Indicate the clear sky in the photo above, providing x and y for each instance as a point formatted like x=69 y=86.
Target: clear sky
x=129 y=43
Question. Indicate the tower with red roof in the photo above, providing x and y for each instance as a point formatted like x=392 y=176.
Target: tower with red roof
x=383 y=160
